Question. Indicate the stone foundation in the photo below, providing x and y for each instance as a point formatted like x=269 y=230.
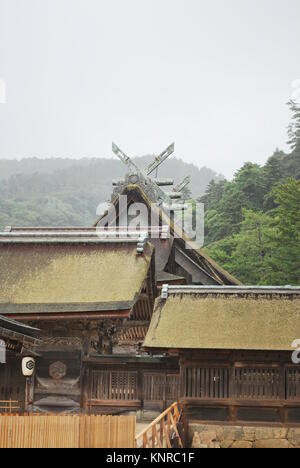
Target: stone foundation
x=210 y=436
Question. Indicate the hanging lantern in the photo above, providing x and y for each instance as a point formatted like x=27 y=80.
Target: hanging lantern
x=28 y=366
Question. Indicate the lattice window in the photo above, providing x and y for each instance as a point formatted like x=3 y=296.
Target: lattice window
x=124 y=385
x=114 y=385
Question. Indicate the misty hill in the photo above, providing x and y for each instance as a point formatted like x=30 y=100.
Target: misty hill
x=10 y=167
x=66 y=191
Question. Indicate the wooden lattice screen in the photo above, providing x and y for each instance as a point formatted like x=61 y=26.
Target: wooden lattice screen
x=243 y=383
x=114 y=385
x=207 y=382
x=161 y=387
x=257 y=383
x=293 y=384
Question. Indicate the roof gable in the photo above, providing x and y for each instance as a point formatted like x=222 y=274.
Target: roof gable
x=140 y=193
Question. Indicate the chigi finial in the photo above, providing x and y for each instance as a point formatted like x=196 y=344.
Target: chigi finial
x=180 y=192
x=154 y=165
x=160 y=159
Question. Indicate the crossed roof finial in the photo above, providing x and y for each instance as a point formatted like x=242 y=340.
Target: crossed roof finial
x=148 y=170
x=158 y=160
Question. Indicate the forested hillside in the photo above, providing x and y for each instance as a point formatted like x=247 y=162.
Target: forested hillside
x=58 y=192
x=253 y=221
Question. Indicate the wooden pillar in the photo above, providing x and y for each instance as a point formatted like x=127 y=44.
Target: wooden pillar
x=282 y=393
x=29 y=392
x=140 y=387
x=85 y=386
x=182 y=378
x=232 y=387
x=185 y=440
x=164 y=392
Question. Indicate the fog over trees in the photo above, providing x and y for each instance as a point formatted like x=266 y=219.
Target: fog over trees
x=252 y=223
x=60 y=192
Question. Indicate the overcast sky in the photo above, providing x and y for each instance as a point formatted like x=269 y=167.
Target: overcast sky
x=211 y=75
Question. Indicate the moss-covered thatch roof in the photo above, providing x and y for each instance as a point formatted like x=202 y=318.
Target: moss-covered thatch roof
x=68 y=276
x=217 y=321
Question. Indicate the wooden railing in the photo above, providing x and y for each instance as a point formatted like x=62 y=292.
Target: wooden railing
x=9 y=406
x=162 y=432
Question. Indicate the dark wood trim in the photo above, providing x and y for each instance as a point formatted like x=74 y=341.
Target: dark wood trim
x=70 y=316
x=240 y=403
x=118 y=403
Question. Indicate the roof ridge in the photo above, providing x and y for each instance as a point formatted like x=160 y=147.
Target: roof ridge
x=200 y=289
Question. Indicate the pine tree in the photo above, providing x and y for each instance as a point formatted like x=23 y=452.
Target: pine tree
x=287 y=236
x=294 y=127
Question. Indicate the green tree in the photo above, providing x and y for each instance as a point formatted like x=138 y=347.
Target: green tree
x=248 y=254
x=213 y=194
x=252 y=258
x=294 y=127
x=267 y=248
x=250 y=181
x=222 y=250
x=286 y=237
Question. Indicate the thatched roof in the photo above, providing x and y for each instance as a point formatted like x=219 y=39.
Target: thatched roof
x=50 y=274
x=217 y=274
x=236 y=319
